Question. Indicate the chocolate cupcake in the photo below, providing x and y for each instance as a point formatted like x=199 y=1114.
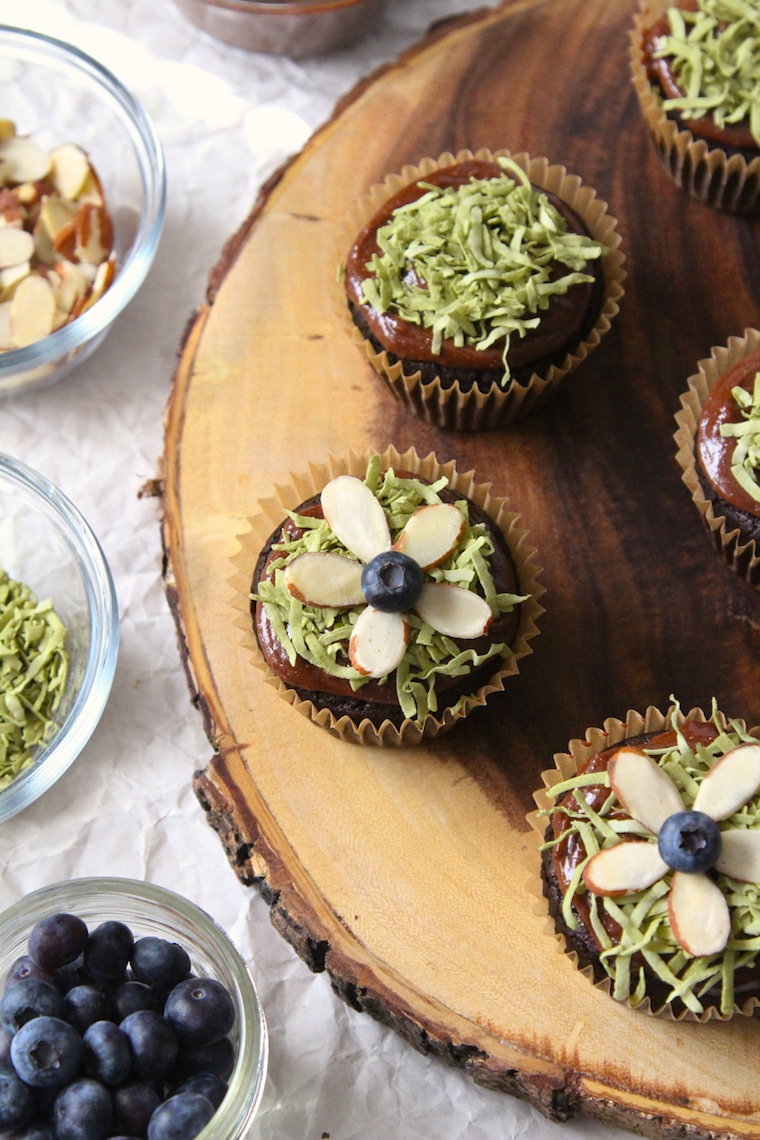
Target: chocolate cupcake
x=650 y=861
x=718 y=442
x=694 y=65
x=389 y=600
x=476 y=283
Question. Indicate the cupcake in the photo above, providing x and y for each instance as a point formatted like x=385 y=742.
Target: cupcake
x=718 y=442
x=390 y=597
x=650 y=861
x=694 y=66
x=476 y=283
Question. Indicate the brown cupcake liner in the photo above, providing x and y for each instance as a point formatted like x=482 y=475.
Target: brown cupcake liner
x=271 y=513
x=740 y=553
x=727 y=182
x=450 y=406
x=595 y=740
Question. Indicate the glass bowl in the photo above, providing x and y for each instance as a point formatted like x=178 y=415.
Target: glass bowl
x=56 y=94
x=47 y=544
x=149 y=909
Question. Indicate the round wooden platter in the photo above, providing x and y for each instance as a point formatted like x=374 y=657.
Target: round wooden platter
x=403 y=872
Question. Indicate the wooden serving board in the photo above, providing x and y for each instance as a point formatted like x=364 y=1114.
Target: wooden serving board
x=401 y=872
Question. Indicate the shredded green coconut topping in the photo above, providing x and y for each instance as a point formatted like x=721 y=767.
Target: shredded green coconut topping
x=715 y=54
x=643 y=916
x=745 y=460
x=477 y=263
x=33 y=670
x=320 y=635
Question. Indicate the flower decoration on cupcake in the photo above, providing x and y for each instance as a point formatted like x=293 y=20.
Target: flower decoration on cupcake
x=387 y=578
x=689 y=842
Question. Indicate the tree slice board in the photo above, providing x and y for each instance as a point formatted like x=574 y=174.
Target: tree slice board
x=402 y=872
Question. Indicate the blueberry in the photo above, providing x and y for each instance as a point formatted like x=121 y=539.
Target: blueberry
x=689 y=841
x=84 y=1005
x=106 y=954
x=214 y=1088
x=181 y=1117
x=24 y=968
x=133 y=1106
x=28 y=999
x=201 y=1011
x=83 y=1111
x=217 y=1058
x=392 y=582
x=153 y=1043
x=159 y=963
x=46 y=1052
x=107 y=1055
x=17 y=1101
x=56 y=940
x=6 y=1036
x=131 y=996
x=38 y=1129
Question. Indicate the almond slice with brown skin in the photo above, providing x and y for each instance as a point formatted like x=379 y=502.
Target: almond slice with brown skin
x=56 y=215
x=322 y=579
x=355 y=517
x=103 y=279
x=730 y=783
x=740 y=855
x=23 y=160
x=378 y=642
x=32 y=311
x=16 y=246
x=70 y=168
x=646 y=792
x=454 y=611
x=94 y=233
x=630 y=866
x=69 y=284
x=431 y=534
x=699 y=914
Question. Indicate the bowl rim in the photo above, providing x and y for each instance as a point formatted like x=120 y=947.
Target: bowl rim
x=87 y=708
x=41 y=48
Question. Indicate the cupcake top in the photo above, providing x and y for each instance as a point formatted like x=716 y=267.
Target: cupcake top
x=655 y=844
x=728 y=436
x=386 y=588
x=475 y=267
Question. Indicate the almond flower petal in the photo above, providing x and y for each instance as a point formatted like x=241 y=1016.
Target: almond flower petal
x=454 y=611
x=740 y=855
x=699 y=915
x=730 y=783
x=646 y=792
x=378 y=642
x=431 y=534
x=320 y=579
x=629 y=866
x=355 y=517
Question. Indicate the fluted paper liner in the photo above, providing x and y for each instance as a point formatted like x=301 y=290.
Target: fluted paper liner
x=272 y=512
x=567 y=764
x=449 y=406
x=740 y=553
x=727 y=182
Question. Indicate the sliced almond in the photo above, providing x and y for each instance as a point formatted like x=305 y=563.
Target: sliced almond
x=454 y=611
x=56 y=215
x=730 y=783
x=32 y=311
x=69 y=284
x=431 y=534
x=70 y=168
x=43 y=243
x=699 y=915
x=65 y=242
x=628 y=867
x=11 y=278
x=740 y=855
x=16 y=246
x=23 y=160
x=355 y=517
x=91 y=191
x=103 y=279
x=6 y=339
x=325 y=580
x=7 y=128
x=378 y=642
x=646 y=792
x=94 y=233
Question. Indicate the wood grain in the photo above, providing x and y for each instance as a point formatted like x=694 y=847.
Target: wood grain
x=402 y=872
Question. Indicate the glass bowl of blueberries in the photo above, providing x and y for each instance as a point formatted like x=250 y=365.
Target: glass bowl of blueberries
x=126 y=1012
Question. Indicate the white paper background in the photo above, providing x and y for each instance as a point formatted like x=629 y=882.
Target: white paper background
x=227 y=119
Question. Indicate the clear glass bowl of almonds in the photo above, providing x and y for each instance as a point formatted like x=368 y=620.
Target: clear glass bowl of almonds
x=59 y=634
x=82 y=203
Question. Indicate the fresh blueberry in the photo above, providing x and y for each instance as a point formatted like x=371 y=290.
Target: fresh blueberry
x=201 y=1011
x=181 y=1117
x=106 y=955
x=217 y=1058
x=84 y=1005
x=46 y=1052
x=23 y=968
x=131 y=996
x=159 y=963
x=17 y=1101
x=28 y=999
x=214 y=1088
x=689 y=841
x=107 y=1055
x=42 y=1128
x=83 y=1111
x=6 y=1036
x=56 y=940
x=153 y=1043
x=392 y=582
x=133 y=1106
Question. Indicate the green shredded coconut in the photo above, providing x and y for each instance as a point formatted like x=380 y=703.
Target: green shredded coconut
x=33 y=670
x=745 y=460
x=715 y=58
x=643 y=916
x=476 y=264
x=321 y=635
